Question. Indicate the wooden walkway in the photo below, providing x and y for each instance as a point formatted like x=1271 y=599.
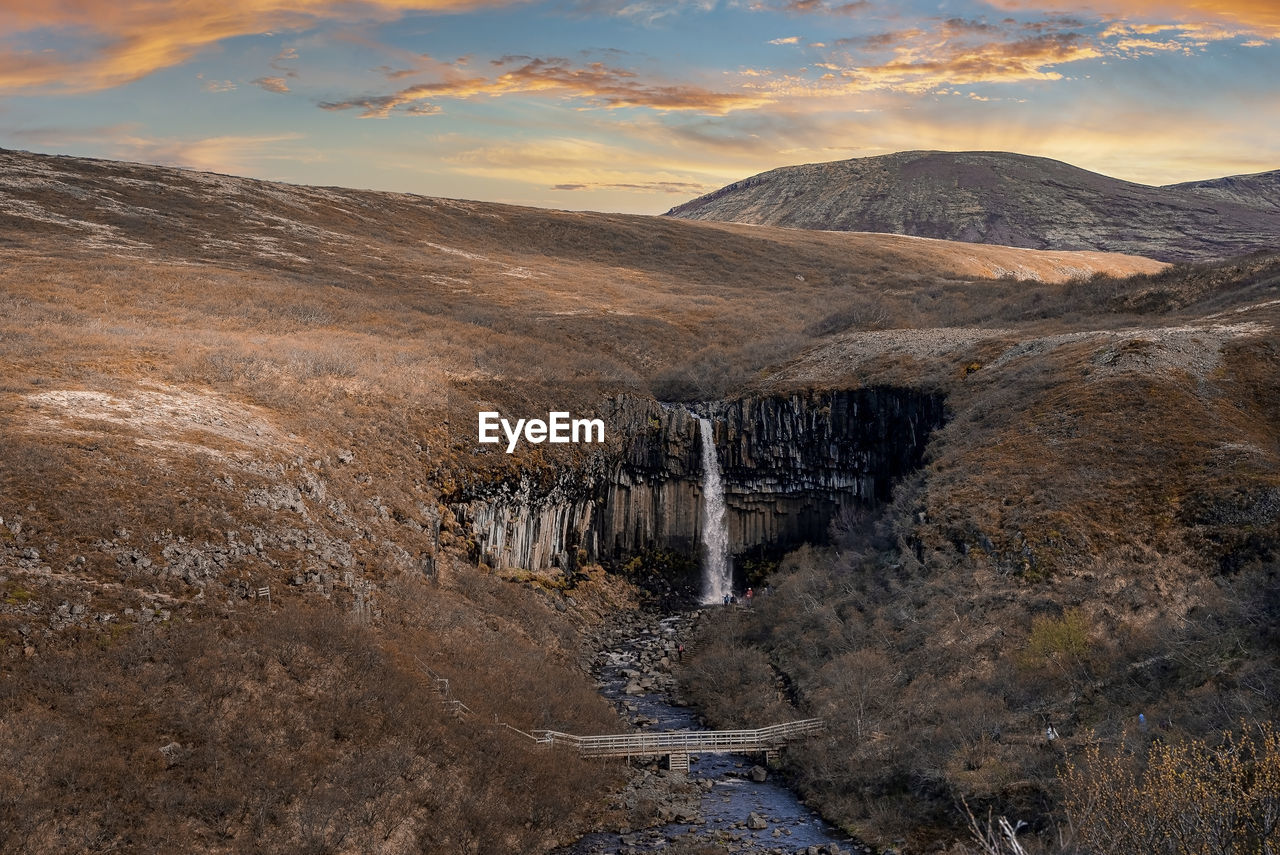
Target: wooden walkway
x=677 y=745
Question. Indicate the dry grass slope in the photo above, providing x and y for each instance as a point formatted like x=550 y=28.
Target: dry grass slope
x=213 y=384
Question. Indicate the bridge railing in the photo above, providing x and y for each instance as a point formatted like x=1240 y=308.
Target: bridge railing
x=682 y=740
x=623 y=744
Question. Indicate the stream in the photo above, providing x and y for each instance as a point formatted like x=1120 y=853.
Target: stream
x=721 y=802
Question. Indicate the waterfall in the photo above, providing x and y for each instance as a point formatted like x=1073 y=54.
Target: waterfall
x=717 y=571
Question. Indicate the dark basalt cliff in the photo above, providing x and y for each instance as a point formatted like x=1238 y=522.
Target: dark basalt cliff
x=790 y=463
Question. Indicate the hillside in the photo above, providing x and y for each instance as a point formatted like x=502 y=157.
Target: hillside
x=214 y=385
x=1003 y=198
x=1261 y=190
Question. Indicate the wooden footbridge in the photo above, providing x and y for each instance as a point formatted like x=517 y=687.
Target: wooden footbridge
x=677 y=745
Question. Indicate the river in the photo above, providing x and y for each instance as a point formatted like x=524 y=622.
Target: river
x=731 y=811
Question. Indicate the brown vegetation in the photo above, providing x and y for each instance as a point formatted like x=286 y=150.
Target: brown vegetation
x=1094 y=537
x=236 y=384
x=1184 y=797
x=296 y=730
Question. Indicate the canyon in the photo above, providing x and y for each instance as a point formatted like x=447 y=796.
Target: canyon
x=790 y=465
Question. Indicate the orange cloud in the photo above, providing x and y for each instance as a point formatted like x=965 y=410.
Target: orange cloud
x=272 y=84
x=956 y=53
x=1258 y=17
x=132 y=38
x=596 y=83
x=921 y=68
x=232 y=154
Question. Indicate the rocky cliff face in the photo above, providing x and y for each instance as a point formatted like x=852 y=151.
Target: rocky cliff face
x=790 y=463
x=1007 y=199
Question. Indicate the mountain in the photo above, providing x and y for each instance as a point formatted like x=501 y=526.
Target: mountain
x=1008 y=199
x=1260 y=190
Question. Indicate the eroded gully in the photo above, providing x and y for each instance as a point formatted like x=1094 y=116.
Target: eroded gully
x=728 y=801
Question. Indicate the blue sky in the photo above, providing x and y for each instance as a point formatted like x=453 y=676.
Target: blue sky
x=630 y=105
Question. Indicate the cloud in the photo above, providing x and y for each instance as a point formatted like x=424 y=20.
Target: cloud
x=646 y=12
x=921 y=67
x=118 y=41
x=681 y=188
x=789 y=40
x=216 y=85
x=236 y=154
x=954 y=52
x=938 y=53
x=278 y=63
x=576 y=165
x=596 y=83
x=1257 y=17
x=813 y=7
x=271 y=84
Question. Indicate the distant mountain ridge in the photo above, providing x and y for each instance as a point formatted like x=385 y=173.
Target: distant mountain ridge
x=1010 y=199
x=1260 y=190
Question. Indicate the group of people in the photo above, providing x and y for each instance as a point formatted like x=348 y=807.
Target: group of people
x=732 y=599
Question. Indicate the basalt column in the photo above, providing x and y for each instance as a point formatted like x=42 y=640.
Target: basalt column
x=788 y=463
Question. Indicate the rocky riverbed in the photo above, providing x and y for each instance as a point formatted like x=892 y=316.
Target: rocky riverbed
x=726 y=803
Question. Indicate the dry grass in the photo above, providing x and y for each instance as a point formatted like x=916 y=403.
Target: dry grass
x=291 y=732
x=213 y=384
x=1094 y=536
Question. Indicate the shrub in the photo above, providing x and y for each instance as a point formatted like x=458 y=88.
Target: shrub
x=1188 y=798
x=1059 y=641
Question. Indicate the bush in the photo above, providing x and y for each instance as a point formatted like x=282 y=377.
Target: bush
x=1188 y=798
x=1059 y=642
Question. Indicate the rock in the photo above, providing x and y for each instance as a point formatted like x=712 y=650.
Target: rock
x=756 y=822
x=30 y=554
x=346 y=456
x=783 y=486
x=173 y=753
x=759 y=774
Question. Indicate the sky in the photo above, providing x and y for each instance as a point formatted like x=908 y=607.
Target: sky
x=636 y=105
